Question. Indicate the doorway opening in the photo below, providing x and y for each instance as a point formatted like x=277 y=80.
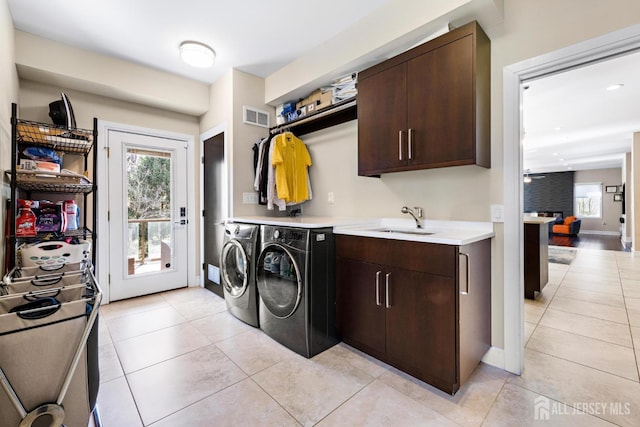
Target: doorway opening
x=214 y=209
x=146 y=204
x=598 y=49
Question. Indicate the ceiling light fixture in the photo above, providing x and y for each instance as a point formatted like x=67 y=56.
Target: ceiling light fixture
x=614 y=87
x=197 y=54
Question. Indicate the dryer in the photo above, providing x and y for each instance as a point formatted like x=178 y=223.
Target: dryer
x=295 y=277
x=237 y=271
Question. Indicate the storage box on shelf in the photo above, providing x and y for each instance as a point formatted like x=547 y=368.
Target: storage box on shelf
x=340 y=92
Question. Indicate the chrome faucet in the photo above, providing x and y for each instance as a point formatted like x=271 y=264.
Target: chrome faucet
x=416 y=218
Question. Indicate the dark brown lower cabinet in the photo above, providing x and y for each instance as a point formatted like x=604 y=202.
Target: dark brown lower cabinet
x=536 y=258
x=401 y=302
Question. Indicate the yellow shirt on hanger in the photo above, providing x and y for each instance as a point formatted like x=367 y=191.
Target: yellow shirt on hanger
x=291 y=160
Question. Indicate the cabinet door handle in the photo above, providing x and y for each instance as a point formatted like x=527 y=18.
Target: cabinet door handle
x=468 y=284
x=387 y=298
x=410 y=143
x=378 y=302
x=400 y=145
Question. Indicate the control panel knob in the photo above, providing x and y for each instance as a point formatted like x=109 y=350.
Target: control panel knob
x=276 y=234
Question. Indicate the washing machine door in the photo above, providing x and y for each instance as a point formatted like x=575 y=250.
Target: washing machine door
x=279 y=280
x=234 y=268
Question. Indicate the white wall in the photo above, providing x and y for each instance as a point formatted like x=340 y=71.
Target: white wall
x=8 y=94
x=635 y=200
x=611 y=211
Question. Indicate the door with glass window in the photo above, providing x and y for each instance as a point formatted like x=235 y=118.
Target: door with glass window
x=147 y=214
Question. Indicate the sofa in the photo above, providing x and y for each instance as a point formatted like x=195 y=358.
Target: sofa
x=568 y=226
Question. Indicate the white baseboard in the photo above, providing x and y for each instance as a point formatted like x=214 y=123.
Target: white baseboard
x=602 y=233
x=494 y=357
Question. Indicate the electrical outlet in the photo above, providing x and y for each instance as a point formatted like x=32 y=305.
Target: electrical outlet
x=331 y=198
x=497 y=213
x=250 y=198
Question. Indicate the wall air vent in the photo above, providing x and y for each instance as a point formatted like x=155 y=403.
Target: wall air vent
x=256 y=117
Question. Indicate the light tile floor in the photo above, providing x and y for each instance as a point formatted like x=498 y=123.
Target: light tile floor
x=179 y=359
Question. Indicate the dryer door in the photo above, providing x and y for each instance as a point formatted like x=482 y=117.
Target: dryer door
x=279 y=280
x=234 y=268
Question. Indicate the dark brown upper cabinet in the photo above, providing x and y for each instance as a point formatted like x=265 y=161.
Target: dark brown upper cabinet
x=428 y=107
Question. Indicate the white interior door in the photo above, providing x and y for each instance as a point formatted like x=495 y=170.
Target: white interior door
x=147 y=214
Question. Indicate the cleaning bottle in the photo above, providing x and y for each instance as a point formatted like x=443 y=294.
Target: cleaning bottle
x=71 y=210
x=26 y=220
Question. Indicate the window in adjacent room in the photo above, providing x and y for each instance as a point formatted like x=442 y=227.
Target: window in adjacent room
x=588 y=200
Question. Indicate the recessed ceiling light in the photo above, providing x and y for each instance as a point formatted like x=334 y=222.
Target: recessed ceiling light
x=197 y=54
x=615 y=87
x=557 y=128
x=555 y=154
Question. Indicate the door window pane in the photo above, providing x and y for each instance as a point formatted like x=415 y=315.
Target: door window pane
x=150 y=236
x=588 y=200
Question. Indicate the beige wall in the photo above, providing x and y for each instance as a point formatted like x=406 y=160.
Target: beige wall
x=43 y=60
x=611 y=211
x=452 y=193
x=35 y=98
x=228 y=96
x=248 y=91
x=219 y=112
x=529 y=29
x=8 y=94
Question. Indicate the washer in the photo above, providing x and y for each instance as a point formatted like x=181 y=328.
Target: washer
x=295 y=276
x=237 y=271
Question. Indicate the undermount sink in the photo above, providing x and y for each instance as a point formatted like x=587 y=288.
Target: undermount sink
x=405 y=231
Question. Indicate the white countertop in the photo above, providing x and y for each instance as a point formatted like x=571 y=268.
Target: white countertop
x=538 y=219
x=443 y=232
x=302 y=221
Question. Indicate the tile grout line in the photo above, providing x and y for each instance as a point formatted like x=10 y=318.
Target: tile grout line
x=273 y=398
x=583 y=365
x=577 y=411
x=589 y=337
x=495 y=400
x=626 y=309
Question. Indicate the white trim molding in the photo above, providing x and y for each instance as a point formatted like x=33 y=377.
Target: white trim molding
x=103 y=199
x=598 y=49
